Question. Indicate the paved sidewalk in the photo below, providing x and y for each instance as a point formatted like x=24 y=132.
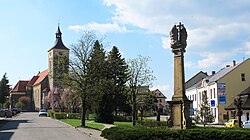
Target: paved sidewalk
x=96 y=134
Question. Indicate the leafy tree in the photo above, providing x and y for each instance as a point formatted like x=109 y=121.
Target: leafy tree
x=71 y=100
x=118 y=73
x=61 y=70
x=20 y=105
x=140 y=74
x=145 y=102
x=54 y=98
x=99 y=84
x=4 y=89
x=25 y=100
x=204 y=113
x=77 y=70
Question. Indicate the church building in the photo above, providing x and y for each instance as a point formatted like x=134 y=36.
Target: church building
x=39 y=85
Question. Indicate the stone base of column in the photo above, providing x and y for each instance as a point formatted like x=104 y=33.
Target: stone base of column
x=180 y=114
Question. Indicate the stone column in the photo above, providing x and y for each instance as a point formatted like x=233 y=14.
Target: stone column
x=180 y=105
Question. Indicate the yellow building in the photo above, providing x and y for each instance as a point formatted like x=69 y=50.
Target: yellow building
x=222 y=87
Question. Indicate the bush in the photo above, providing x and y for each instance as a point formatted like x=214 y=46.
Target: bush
x=60 y=115
x=123 y=118
x=51 y=113
x=151 y=123
x=73 y=116
x=20 y=105
x=63 y=115
x=163 y=133
x=148 y=114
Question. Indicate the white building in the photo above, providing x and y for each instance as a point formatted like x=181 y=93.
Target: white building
x=221 y=88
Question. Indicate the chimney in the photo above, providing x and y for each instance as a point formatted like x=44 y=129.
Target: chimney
x=227 y=66
x=234 y=63
x=213 y=72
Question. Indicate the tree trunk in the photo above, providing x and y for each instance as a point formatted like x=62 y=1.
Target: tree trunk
x=83 y=113
x=141 y=114
x=158 y=118
x=134 y=109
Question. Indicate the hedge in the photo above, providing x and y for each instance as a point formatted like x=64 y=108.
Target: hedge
x=123 y=118
x=151 y=123
x=163 y=133
x=63 y=115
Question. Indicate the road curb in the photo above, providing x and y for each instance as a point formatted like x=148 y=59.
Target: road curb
x=91 y=132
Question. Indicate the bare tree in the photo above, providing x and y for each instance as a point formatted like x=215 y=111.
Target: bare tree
x=140 y=74
x=77 y=69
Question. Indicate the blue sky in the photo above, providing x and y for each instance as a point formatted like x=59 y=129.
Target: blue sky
x=218 y=33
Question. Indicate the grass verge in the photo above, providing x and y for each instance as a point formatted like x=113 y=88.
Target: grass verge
x=90 y=124
x=123 y=123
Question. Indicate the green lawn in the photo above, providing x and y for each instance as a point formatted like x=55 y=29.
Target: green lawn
x=123 y=123
x=76 y=122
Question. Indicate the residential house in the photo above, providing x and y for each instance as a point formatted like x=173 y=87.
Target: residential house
x=18 y=91
x=161 y=100
x=245 y=99
x=192 y=90
x=222 y=87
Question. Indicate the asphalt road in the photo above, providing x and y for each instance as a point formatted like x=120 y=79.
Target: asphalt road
x=28 y=126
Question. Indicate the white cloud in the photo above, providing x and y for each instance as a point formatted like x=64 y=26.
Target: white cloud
x=165 y=42
x=212 y=59
x=204 y=37
x=190 y=64
x=246 y=48
x=166 y=89
x=102 y=28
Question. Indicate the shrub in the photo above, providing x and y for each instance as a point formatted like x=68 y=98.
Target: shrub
x=20 y=105
x=73 y=116
x=151 y=123
x=163 y=133
x=123 y=118
x=60 y=115
x=63 y=115
x=51 y=113
x=25 y=100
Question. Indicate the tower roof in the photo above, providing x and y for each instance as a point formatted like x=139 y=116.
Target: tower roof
x=59 y=43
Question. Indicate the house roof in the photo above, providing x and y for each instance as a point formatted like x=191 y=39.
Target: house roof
x=59 y=43
x=158 y=91
x=41 y=76
x=32 y=81
x=20 y=86
x=198 y=84
x=195 y=79
x=245 y=98
x=223 y=72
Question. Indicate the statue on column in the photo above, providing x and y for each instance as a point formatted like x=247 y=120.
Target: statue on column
x=178 y=38
x=179 y=106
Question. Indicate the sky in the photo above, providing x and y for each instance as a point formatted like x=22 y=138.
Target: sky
x=218 y=33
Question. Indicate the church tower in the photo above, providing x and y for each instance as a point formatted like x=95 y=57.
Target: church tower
x=58 y=61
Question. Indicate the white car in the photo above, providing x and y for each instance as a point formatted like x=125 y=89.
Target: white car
x=43 y=112
x=246 y=124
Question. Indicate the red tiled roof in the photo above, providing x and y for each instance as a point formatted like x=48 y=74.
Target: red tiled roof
x=41 y=76
x=158 y=91
x=32 y=81
x=20 y=86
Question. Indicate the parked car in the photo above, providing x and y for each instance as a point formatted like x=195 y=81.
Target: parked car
x=231 y=123
x=2 y=113
x=43 y=112
x=8 y=113
x=246 y=124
